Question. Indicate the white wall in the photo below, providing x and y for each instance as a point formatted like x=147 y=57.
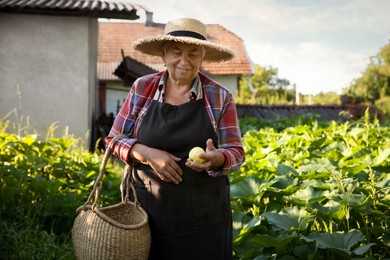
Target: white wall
x=113 y=95
x=48 y=70
x=228 y=81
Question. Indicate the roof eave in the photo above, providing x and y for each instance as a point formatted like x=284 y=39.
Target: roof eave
x=128 y=15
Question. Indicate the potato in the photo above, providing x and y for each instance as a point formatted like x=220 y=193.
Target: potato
x=194 y=155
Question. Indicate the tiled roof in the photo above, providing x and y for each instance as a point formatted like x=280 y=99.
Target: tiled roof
x=89 y=8
x=105 y=70
x=114 y=37
x=326 y=112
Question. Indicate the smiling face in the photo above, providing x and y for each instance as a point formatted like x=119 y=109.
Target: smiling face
x=183 y=61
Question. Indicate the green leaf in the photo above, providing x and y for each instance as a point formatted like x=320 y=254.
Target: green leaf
x=386 y=237
x=331 y=210
x=288 y=218
x=250 y=186
x=354 y=166
x=285 y=169
x=283 y=140
x=383 y=156
x=308 y=194
x=343 y=241
x=279 y=242
x=282 y=182
x=317 y=169
x=362 y=249
x=240 y=220
x=91 y=174
x=318 y=184
x=357 y=131
x=350 y=199
x=385 y=182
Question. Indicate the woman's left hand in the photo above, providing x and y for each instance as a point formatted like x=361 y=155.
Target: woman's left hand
x=213 y=159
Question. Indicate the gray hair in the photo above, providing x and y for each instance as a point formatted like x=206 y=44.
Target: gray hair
x=167 y=43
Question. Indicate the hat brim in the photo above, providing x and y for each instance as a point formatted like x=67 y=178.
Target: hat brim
x=152 y=45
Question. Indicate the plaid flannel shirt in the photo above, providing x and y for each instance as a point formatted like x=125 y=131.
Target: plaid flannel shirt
x=219 y=105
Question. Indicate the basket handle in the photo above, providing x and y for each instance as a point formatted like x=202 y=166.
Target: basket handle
x=98 y=185
x=128 y=183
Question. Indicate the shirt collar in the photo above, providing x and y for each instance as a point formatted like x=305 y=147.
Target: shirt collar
x=196 y=89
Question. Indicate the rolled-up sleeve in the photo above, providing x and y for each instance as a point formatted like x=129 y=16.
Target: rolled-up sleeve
x=128 y=118
x=229 y=137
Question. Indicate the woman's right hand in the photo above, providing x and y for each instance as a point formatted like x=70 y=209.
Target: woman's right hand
x=163 y=163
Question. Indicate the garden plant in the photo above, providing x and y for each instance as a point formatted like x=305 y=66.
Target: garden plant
x=307 y=190
x=310 y=192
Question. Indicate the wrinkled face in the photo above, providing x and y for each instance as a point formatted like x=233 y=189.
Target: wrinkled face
x=183 y=60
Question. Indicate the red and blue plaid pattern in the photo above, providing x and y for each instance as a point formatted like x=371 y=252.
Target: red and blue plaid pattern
x=219 y=105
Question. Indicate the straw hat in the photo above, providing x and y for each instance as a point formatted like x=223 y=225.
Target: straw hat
x=185 y=30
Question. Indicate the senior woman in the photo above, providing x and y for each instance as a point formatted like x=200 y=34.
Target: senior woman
x=164 y=116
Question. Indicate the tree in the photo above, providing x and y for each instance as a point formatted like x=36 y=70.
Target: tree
x=373 y=87
x=264 y=87
x=385 y=67
x=322 y=98
x=374 y=84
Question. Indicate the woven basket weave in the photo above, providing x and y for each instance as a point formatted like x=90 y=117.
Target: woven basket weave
x=120 y=231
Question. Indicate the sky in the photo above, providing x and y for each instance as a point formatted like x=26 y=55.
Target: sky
x=318 y=45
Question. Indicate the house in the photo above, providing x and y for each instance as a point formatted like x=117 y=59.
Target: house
x=115 y=54
x=49 y=53
x=48 y=60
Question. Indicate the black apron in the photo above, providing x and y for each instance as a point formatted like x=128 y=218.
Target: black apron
x=192 y=219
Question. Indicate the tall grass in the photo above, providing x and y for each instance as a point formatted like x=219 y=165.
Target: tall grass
x=42 y=182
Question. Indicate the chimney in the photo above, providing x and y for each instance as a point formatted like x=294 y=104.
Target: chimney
x=149 y=19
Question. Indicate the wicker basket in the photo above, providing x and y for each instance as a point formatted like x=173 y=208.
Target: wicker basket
x=119 y=231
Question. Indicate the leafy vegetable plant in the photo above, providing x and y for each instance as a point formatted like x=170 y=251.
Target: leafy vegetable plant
x=310 y=192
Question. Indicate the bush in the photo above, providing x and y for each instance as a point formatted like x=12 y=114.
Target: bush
x=384 y=105
x=252 y=123
x=41 y=185
x=19 y=240
x=308 y=192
